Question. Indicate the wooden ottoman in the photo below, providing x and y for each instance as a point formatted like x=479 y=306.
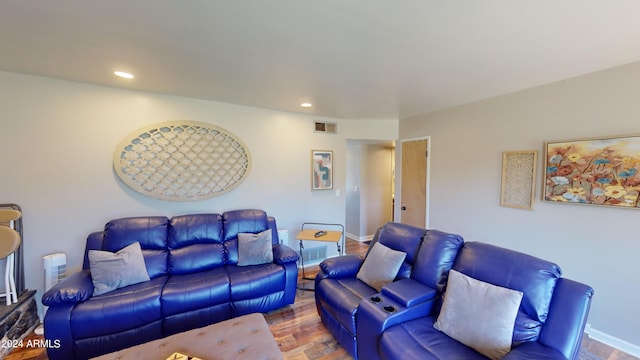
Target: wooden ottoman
x=243 y=338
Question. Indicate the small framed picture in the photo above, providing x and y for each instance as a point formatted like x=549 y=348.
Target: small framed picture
x=518 y=179
x=321 y=170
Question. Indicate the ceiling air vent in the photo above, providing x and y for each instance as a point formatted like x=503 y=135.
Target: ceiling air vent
x=326 y=127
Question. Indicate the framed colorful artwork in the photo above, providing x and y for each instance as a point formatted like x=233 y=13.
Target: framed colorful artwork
x=518 y=179
x=600 y=171
x=321 y=170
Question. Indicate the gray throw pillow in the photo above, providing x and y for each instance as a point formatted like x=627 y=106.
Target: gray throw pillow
x=479 y=315
x=255 y=249
x=381 y=266
x=110 y=271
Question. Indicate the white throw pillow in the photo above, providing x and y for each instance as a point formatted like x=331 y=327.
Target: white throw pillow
x=110 y=271
x=255 y=249
x=381 y=266
x=479 y=315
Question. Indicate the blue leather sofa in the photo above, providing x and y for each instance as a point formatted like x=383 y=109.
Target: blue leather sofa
x=194 y=281
x=398 y=322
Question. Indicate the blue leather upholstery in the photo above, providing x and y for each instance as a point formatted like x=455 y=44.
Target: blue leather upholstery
x=338 y=291
x=534 y=277
x=187 y=292
x=549 y=325
x=435 y=258
x=151 y=232
x=401 y=237
x=195 y=281
x=195 y=243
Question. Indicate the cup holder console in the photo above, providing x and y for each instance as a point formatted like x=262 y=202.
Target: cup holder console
x=389 y=308
x=386 y=308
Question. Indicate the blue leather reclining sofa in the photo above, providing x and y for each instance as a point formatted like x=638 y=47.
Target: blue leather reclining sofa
x=398 y=321
x=195 y=281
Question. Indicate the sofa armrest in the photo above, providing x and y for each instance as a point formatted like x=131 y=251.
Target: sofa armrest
x=341 y=266
x=409 y=292
x=57 y=332
x=379 y=312
x=76 y=288
x=283 y=254
x=567 y=317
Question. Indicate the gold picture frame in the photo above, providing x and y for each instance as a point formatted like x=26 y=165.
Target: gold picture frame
x=518 y=179
x=602 y=171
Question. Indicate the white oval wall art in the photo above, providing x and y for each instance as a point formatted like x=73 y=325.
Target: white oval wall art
x=182 y=161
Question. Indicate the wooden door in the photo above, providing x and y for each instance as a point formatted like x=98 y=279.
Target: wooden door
x=414 y=183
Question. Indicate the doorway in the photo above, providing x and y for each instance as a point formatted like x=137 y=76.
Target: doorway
x=413 y=187
x=369 y=187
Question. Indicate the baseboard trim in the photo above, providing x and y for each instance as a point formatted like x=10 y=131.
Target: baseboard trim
x=358 y=238
x=613 y=341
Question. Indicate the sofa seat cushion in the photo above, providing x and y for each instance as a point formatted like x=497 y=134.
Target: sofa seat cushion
x=533 y=350
x=119 y=310
x=341 y=298
x=418 y=339
x=195 y=291
x=252 y=282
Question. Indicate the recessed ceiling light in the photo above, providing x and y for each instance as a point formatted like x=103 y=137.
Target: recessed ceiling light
x=306 y=105
x=123 y=74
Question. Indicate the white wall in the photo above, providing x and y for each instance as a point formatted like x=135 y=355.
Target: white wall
x=352 y=189
x=595 y=245
x=58 y=139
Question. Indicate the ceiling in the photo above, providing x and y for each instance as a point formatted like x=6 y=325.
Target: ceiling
x=365 y=59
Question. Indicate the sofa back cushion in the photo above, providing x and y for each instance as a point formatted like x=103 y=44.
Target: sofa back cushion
x=435 y=258
x=195 y=243
x=149 y=231
x=242 y=221
x=400 y=237
x=535 y=278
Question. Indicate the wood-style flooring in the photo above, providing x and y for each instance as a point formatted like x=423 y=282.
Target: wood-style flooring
x=302 y=336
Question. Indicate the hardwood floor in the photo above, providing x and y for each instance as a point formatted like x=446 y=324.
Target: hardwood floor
x=302 y=336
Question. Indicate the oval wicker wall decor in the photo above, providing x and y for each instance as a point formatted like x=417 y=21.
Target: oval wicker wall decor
x=182 y=161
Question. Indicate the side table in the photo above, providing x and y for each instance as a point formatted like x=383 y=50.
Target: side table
x=311 y=231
